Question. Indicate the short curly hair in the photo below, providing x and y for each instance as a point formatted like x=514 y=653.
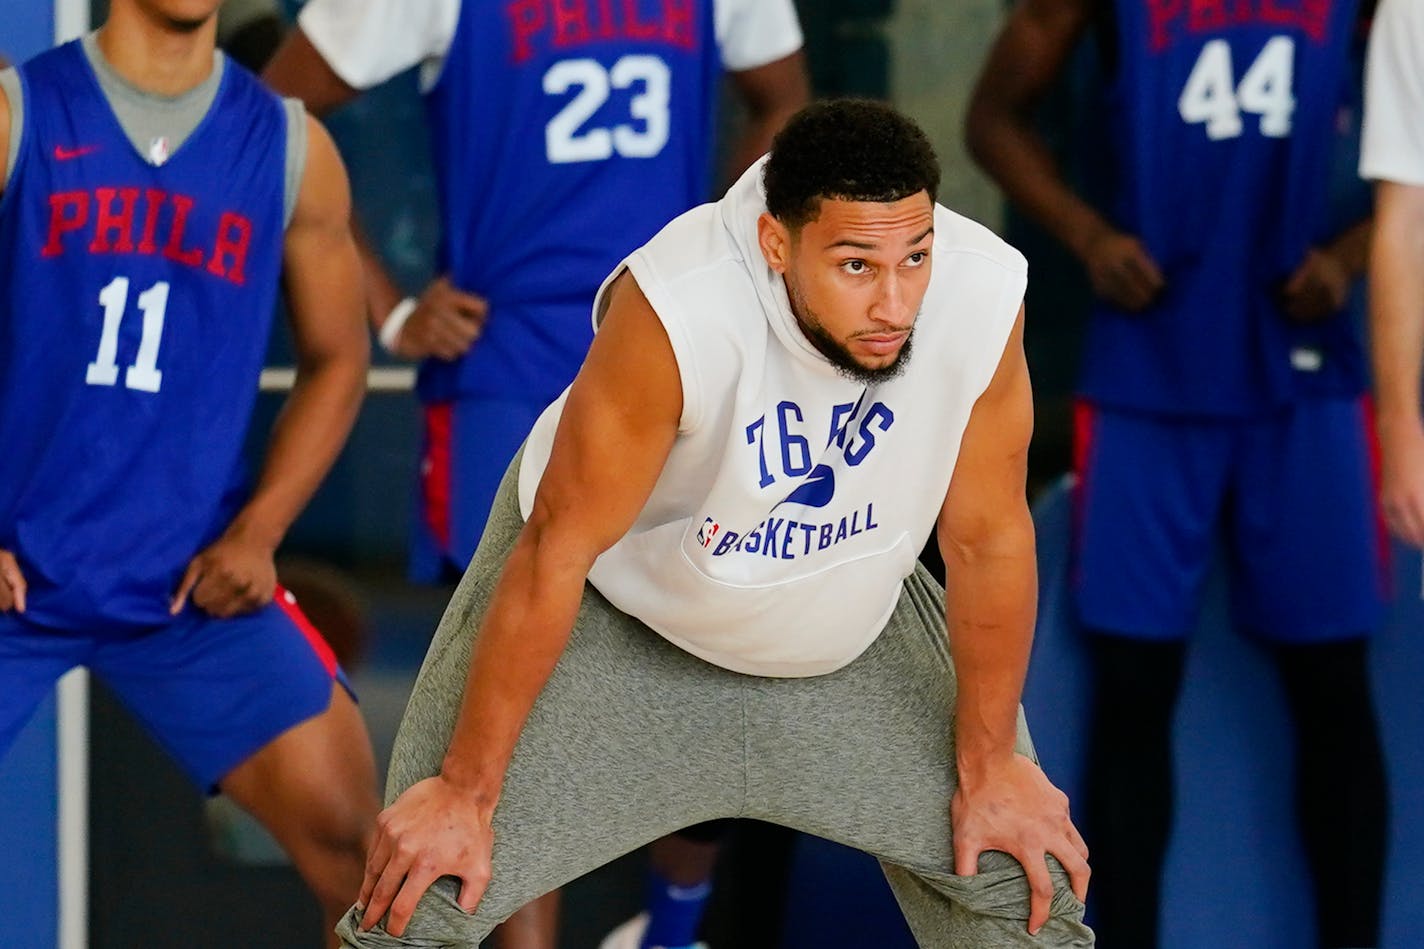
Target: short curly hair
x=847 y=149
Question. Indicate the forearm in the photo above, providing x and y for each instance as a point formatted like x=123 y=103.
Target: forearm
x=521 y=638
x=755 y=140
x=1397 y=303
x=1017 y=158
x=991 y=593
x=306 y=438
x=382 y=293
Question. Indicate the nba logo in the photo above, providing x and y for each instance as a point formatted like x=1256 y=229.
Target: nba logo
x=707 y=532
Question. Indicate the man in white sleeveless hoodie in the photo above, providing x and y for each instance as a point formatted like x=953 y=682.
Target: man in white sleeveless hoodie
x=698 y=597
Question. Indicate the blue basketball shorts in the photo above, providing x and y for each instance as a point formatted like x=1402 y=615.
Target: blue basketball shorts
x=1291 y=497
x=466 y=446
x=212 y=692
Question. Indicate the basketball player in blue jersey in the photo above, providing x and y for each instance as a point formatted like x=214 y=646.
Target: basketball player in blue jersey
x=1222 y=390
x=564 y=135
x=154 y=194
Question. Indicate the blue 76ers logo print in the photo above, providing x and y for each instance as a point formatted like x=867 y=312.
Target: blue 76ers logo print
x=819 y=486
x=852 y=434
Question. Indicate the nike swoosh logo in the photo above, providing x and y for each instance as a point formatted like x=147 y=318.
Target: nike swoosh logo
x=65 y=154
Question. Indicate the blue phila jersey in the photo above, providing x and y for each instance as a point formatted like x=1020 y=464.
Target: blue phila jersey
x=1223 y=121
x=565 y=136
x=135 y=305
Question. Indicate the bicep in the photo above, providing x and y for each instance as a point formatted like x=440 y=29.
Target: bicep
x=782 y=85
x=322 y=271
x=990 y=472
x=616 y=431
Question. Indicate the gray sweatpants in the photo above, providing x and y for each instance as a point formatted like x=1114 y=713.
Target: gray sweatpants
x=633 y=738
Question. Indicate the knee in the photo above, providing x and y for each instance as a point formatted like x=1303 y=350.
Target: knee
x=334 y=844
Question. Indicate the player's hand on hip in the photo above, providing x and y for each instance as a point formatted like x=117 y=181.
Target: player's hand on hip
x=1402 y=477
x=1122 y=271
x=445 y=323
x=1011 y=806
x=1318 y=289
x=433 y=829
x=235 y=575
x=12 y=584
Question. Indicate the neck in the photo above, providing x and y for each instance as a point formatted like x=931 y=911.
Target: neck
x=154 y=55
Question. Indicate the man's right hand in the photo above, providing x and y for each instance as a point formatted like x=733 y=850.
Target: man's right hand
x=433 y=829
x=1121 y=270
x=445 y=323
x=12 y=584
x=1402 y=478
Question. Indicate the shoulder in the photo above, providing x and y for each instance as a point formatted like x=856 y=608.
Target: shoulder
x=690 y=245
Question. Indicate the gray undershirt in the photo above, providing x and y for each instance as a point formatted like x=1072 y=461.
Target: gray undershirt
x=148 y=119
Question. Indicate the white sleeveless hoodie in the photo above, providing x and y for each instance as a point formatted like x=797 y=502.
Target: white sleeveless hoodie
x=795 y=500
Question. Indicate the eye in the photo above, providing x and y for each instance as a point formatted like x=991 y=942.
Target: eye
x=917 y=258
x=855 y=267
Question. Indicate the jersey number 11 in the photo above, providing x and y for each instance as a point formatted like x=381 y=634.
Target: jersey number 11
x=144 y=374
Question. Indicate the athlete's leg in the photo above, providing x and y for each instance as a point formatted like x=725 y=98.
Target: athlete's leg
x=314 y=788
x=1311 y=552
x=865 y=756
x=1339 y=785
x=1128 y=807
x=1149 y=497
x=630 y=739
x=256 y=706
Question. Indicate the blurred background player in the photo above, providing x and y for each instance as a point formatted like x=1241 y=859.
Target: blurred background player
x=564 y=136
x=1222 y=391
x=140 y=254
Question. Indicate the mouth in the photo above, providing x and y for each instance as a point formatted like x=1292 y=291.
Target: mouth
x=883 y=344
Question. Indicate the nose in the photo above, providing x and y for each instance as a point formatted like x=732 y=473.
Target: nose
x=890 y=307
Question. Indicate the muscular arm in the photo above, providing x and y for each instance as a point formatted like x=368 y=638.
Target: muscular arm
x=772 y=94
x=612 y=442
x=1003 y=801
x=448 y=321
x=322 y=278
x=1397 y=340
x=1023 y=65
x=991 y=576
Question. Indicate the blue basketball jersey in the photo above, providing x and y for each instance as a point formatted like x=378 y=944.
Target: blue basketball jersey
x=135 y=305
x=564 y=137
x=1223 y=120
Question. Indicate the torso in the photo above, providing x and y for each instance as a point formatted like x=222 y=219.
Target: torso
x=138 y=300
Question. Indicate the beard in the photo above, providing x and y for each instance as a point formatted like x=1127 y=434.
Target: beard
x=835 y=351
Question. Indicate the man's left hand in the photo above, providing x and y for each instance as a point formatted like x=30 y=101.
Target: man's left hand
x=1011 y=806
x=1318 y=289
x=235 y=575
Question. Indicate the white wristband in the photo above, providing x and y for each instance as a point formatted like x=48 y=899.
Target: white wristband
x=395 y=322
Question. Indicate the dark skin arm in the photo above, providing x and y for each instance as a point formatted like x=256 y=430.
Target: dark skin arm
x=772 y=94
x=1024 y=63
x=446 y=321
x=322 y=278
x=1320 y=287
